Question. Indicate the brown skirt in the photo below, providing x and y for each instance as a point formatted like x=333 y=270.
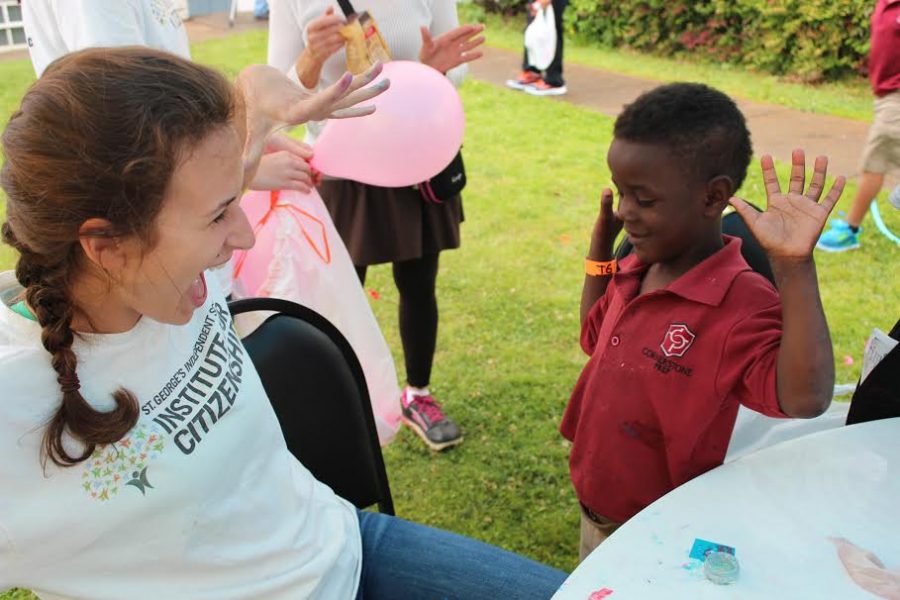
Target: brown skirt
x=380 y=225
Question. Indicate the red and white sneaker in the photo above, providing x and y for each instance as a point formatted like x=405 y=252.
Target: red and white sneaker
x=424 y=416
x=523 y=81
x=542 y=88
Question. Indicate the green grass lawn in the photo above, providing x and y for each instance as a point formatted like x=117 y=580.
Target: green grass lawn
x=508 y=351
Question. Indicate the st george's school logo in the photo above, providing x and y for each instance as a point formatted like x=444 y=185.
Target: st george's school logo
x=677 y=340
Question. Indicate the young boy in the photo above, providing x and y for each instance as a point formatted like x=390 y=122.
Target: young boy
x=684 y=332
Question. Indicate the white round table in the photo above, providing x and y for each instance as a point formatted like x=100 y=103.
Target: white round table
x=777 y=508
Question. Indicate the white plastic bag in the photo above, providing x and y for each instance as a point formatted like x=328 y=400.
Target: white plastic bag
x=299 y=256
x=540 y=38
x=754 y=431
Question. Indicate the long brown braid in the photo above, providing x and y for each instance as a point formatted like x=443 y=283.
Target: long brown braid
x=98 y=136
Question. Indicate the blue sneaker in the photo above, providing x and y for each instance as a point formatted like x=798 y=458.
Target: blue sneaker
x=839 y=237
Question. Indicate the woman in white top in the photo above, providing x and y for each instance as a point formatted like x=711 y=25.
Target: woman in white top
x=378 y=224
x=141 y=457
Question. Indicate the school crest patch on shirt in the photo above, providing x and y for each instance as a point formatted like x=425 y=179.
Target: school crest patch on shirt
x=678 y=340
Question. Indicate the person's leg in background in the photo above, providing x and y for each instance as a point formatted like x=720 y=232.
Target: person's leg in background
x=554 y=74
x=526 y=66
x=261 y=9
x=529 y=74
x=844 y=234
x=415 y=280
x=553 y=83
x=881 y=154
x=405 y=560
x=867 y=189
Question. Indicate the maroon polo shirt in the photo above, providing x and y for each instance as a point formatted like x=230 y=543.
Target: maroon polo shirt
x=884 y=54
x=656 y=403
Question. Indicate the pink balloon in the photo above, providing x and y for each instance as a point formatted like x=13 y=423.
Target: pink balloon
x=415 y=132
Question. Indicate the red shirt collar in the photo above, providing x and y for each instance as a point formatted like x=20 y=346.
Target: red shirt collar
x=706 y=283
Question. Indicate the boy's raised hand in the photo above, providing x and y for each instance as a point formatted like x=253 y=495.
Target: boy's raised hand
x=792 y=221
x=603 y=237
x=606 y=228
x=787 y=231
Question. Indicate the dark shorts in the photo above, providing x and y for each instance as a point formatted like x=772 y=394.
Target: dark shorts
x=380 y=225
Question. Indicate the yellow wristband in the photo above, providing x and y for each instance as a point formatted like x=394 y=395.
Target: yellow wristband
x=599 y=268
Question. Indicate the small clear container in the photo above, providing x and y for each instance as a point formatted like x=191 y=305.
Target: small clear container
x=721 y=568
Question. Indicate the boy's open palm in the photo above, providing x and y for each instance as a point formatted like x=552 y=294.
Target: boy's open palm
x=792 y=221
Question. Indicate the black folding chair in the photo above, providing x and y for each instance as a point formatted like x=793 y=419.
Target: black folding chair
x=319 y=393
x=732 y=224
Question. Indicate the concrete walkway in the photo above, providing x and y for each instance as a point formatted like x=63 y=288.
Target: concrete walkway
x=216 y=26
x=775 y=129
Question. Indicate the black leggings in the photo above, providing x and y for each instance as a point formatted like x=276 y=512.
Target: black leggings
x=415 y=280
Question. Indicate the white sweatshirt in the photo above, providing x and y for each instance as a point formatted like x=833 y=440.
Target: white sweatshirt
x=56 y=27
x=200 y=501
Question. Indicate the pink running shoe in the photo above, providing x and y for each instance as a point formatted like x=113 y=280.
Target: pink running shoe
x=424 y=416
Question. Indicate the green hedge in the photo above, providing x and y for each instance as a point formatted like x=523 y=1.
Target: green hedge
x=506 y=7
x=809 y=40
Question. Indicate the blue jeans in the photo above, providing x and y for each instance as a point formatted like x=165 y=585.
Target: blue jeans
x=403 y=560
x=261 y=8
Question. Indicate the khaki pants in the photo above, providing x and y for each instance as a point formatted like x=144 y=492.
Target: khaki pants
x=882 y=149
x=594 y=529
